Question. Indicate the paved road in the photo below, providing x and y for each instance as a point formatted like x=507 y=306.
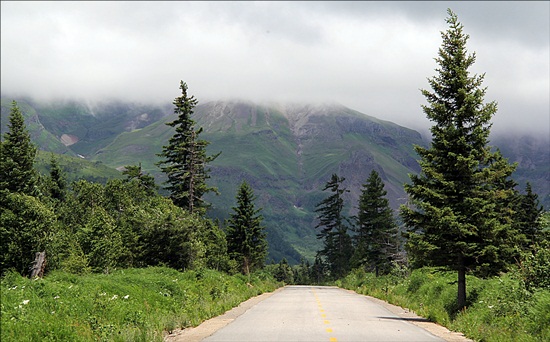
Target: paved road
x=310 y=313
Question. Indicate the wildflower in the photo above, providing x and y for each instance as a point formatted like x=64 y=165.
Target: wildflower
x=126 y=297
x=25 y=302
x=56 y=297
x=114 y=297
x=175 y=280
x=103 y=293
x=71 y=287
x=491 y=306
x=53 y=312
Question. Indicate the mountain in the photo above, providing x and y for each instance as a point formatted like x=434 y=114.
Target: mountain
x=286 y=152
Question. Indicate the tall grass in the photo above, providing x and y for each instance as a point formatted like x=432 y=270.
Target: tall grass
x=498 y=309
x=126 y=305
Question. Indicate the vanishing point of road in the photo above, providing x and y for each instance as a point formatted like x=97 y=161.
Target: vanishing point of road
x=313 y=313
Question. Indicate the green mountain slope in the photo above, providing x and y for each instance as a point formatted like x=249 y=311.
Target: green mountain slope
x=286 y=153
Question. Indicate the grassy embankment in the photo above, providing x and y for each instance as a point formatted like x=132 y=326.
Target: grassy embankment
x=499 y=309
x=126 y=305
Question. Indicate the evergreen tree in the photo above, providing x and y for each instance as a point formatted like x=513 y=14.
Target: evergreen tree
x=185 y=157
x=527 y=216
x=246 y=239
x=376 y=238
x=17 y=154
x=337 y=248
x=459 y=215
x=57 y=181
x=145 y=180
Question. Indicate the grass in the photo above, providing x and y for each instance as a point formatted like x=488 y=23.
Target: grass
x=126 y=305
x=498 y=309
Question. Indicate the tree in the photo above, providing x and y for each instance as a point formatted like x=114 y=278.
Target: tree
x=57 y=184
x=527 y=216
x=246 y=238
x=185 y=157
x=145 y=180
x=376 y=239
x=458 y=216
x=17 y=154
x=338 y=248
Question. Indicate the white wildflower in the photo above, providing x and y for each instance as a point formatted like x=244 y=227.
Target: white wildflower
x=491 y=306
x=114 y=297
x=71 y=287
x=56 y=297
x=25 y=302
x=103 y=293
x=126 y=297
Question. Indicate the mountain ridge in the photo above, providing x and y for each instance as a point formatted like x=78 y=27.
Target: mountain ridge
x=286 y=152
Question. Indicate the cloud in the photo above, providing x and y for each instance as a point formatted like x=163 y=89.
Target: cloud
x=370 y=56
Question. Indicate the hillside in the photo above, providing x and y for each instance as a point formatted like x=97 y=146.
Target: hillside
x=286 y=152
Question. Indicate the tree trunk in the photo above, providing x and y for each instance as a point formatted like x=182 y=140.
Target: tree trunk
x=461 y=297
x=39 y=264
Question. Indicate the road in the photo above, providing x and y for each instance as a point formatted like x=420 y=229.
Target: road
x=316 y=313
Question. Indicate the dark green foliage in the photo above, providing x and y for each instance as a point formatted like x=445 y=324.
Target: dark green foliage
x=17 y=154
x=534 y=266
x=185 y=157
x=246 y=239
x=26 y=226
x=284 y=272
x=145 y=180
x=376 y=244
x=461 y=203
x=527 y=216
x=338 y=248
x=56 y=182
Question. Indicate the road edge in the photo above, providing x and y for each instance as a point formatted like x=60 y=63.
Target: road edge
x=210 y=326
x=411 y=317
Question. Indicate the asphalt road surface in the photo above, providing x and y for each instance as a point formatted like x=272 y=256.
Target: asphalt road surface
x=316 y=313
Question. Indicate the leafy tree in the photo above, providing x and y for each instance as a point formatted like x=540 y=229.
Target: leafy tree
x=17 y=154
x=337 y=248
x=25 y=228
x=284 y=272
x=459 y=215
x=185 y=157
x=246 y=238
x=376 y=239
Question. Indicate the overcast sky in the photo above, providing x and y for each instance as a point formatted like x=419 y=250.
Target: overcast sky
x=370 y=56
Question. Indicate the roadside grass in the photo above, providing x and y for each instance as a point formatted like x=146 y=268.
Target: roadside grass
x=498 y=309
x=126 y=305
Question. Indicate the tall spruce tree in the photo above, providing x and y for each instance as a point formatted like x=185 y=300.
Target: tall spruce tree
x=527 y=216
x=246 y=238
x=338 y=247
x=17 y=155
x=185 y=160
x=376 y=244
x=459 y=213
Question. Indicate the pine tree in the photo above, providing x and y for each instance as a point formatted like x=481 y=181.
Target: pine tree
x=459 y=212
x=185 y=160
x=527 y=216
x=145 y=181
x=246 y=239
x=376 y=238
x=17 y=154
x=57 y=181
x=337 y=248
